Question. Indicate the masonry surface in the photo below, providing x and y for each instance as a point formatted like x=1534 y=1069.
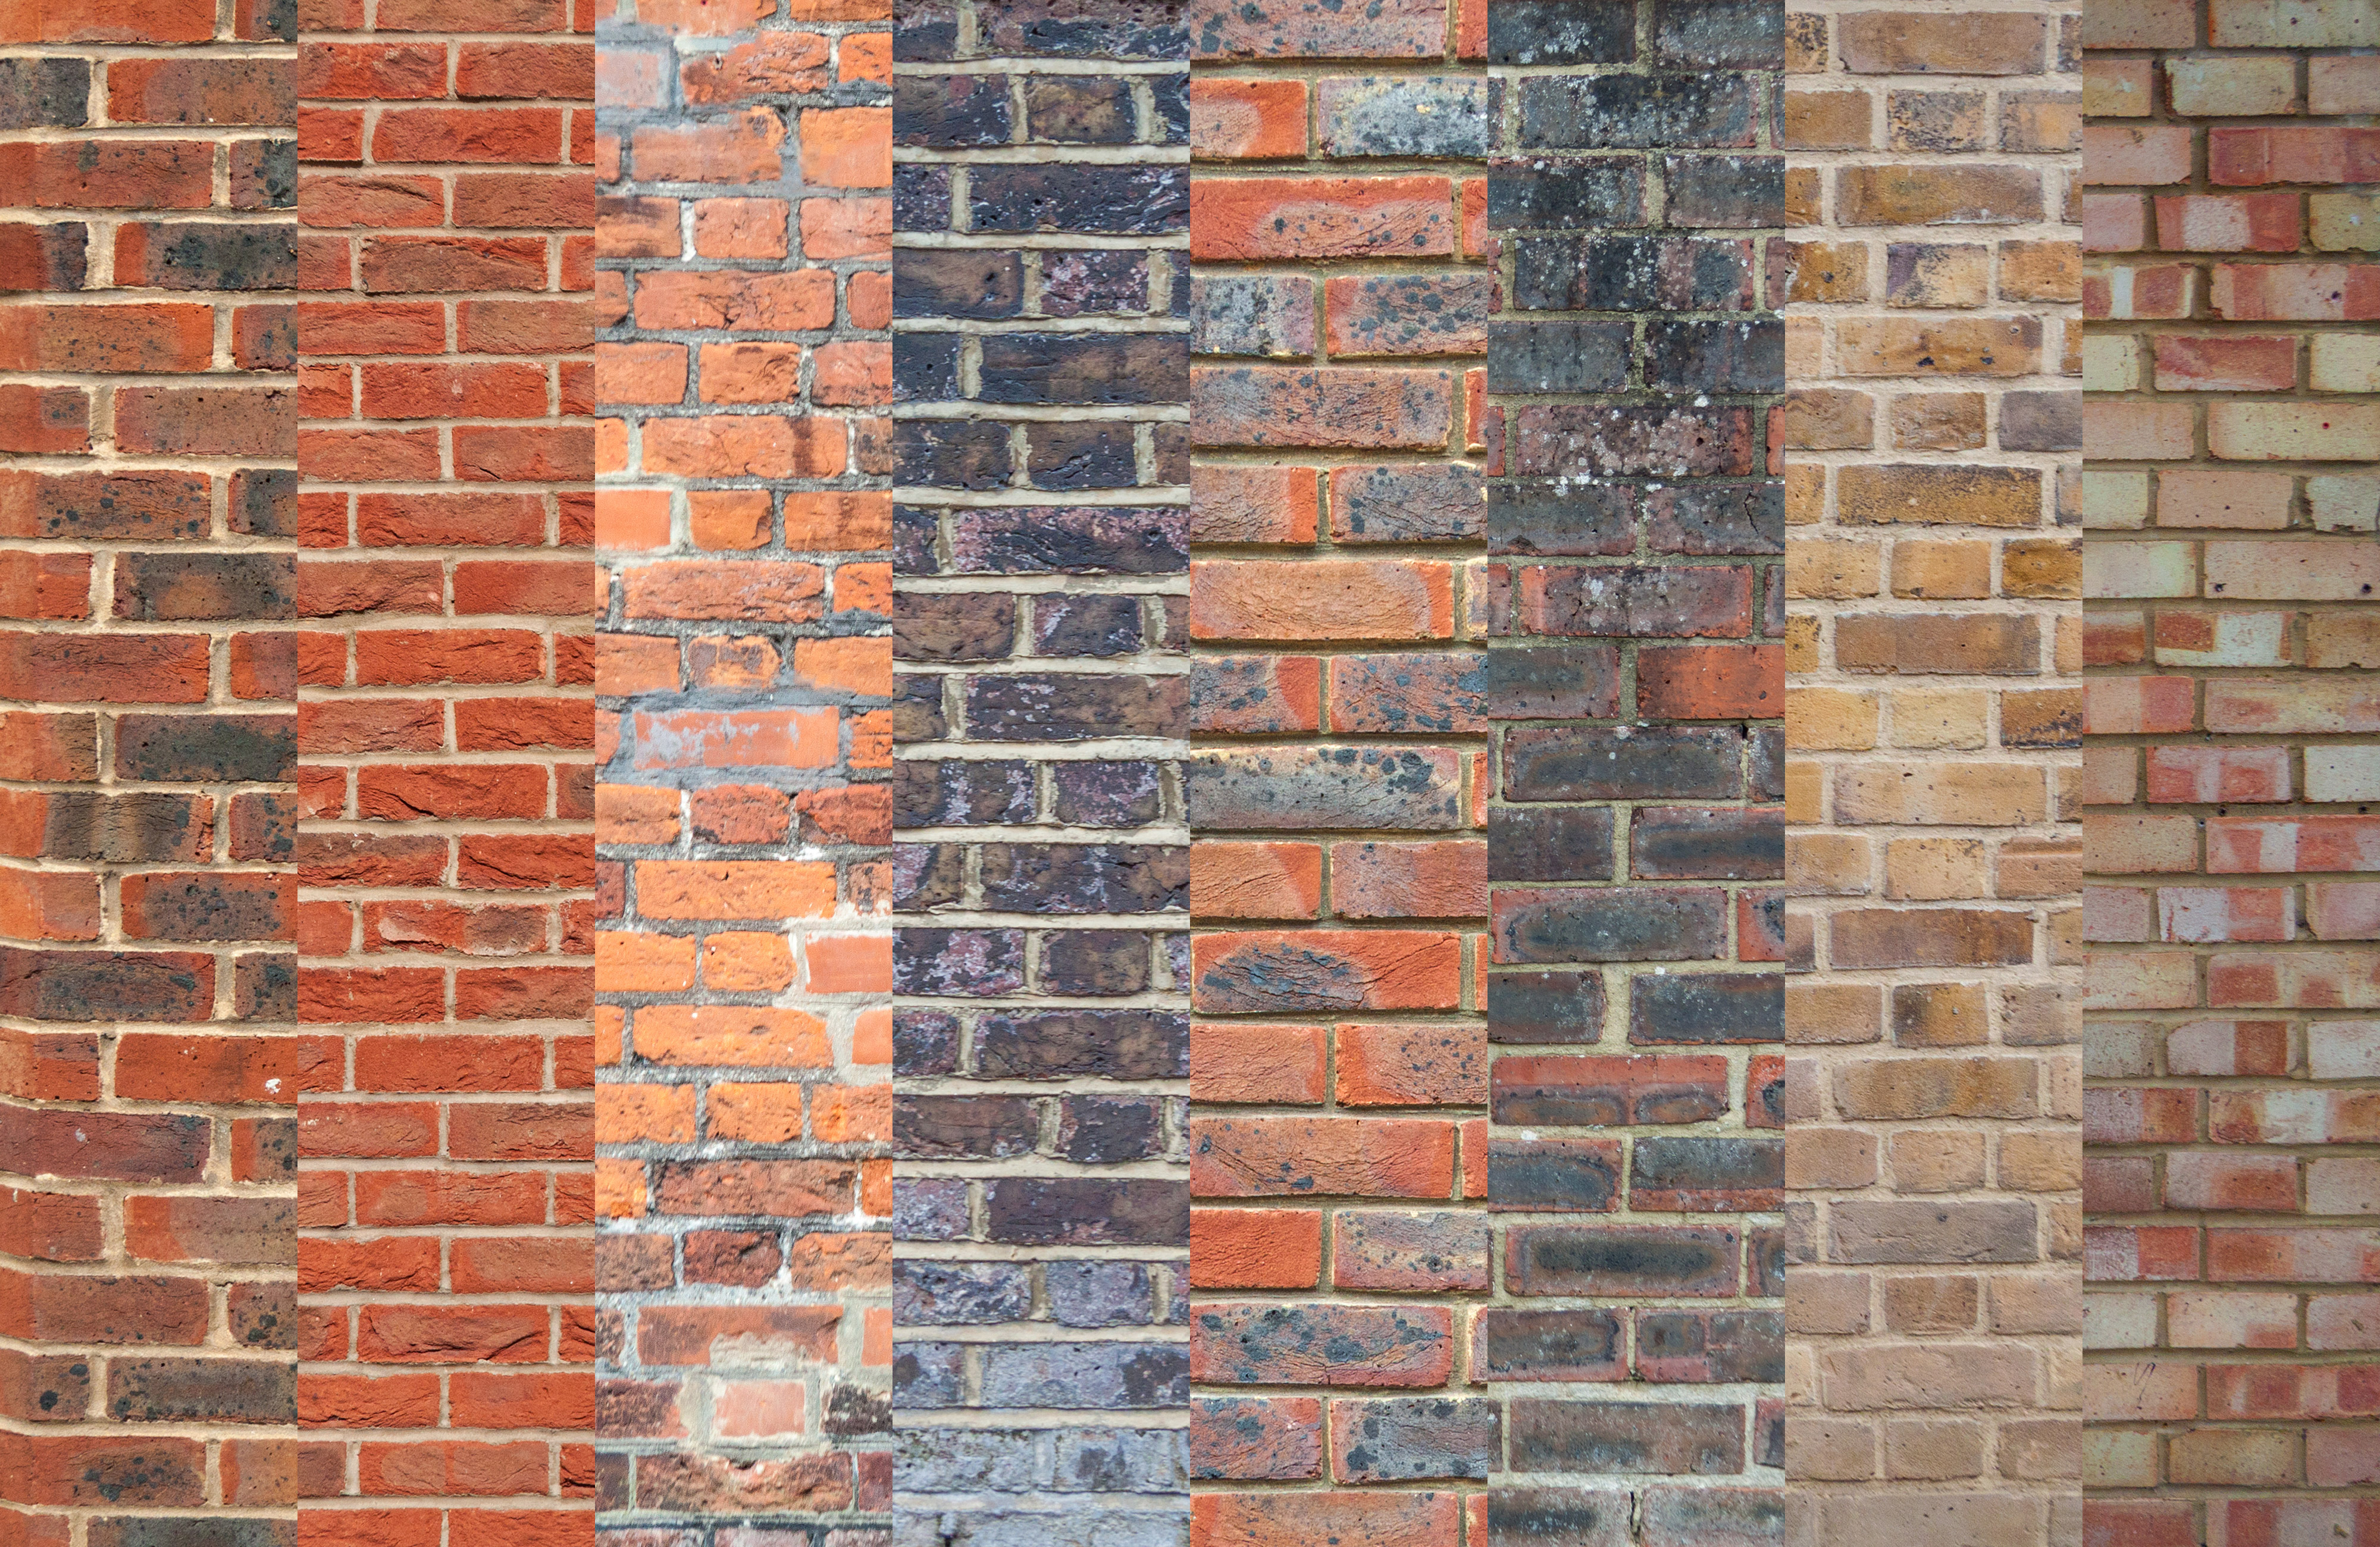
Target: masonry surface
x=1039 y=293
x=1634 y=835
x=2233 y=633
x=745 y=971
x=1338 y=872
x=149 y=1066
x=1933 y=1094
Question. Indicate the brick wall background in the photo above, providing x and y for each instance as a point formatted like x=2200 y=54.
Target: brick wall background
x=745 y=1106
x=2231 y=763
x=1933 y=1149
x=1635 y=839
x=445 y=858
x=1338 y=878
x=148 y=1062
x=1039 y=287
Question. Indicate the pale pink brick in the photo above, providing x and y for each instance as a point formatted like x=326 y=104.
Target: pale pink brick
x=2143 y=1392
x=2129 y=292
x=2293 y=1256
x=2211 y=915
x=2343 y=1322
x=2200 y=638
x=2344 y=910
x=2228 y=1047
x=2134 y=431
x=2280 y=571
x=2110 y=775
x=2296 y=980
x=2222 y=498
x=2117 y=915
x=2201 y=1319
x=2230 y=362
x=2114 y=223
x=2343 y=83
x=2332 y=154
x=2250 y=846
x=2296 y=292
x=2140 y=705
x=2345 y=1185
x=2294 y=431
x=2140 y=979
x=2213 y=775
x=2263 y=1184
x=2128 y=156
x=2318 y=706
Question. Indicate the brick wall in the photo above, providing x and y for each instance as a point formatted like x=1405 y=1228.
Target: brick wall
x=2232 y=573
x=1933 y=1149
x=147 y=1066
x=745 y=672
x=1636 y=690
x=1040 y=283
x=445 y=858
x=1339 y=876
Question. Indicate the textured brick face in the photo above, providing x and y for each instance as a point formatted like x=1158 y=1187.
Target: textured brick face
x=446 y=864
x=1041 y=291
x=1932 y=1095
x=1339 y=874
x=2231 y=498
x=1635 y=688
x=149 y=1065
x=743 y=970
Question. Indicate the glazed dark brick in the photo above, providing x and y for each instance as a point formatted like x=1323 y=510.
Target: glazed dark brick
x=1124 y=201
x=966 y=283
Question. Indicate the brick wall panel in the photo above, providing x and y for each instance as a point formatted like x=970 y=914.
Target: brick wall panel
x=1339 y=1246
x=1932 y=1098
x=1040 y=283
x=2231 y=498
x=743 y=968
x=1635 y=1341
x=149 y=1065
x=445 y=868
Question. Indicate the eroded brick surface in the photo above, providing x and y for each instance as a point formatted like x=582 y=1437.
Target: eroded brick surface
x=1634 y=690
x=2231 y=764
x=745 y=971
x=1933 y=1147
x=446 y=864
x=1040 y=297
x=1339 y=870
x=149 y=1063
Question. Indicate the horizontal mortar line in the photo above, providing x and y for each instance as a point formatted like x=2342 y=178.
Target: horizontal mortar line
x=1039 y=154
x=1060 y=327
x=1027 y=1334
x=943 y=497
x=905 y=1418
x=1038 y=65
x=1039 y=241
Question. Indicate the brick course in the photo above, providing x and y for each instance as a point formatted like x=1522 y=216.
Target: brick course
x=2232 y=500
x=1040 y=285
x=1338 y=868
x=1635 y=839
x=149 y=1062
x=745 y=673
x=1933 y=1149
x=445 y=862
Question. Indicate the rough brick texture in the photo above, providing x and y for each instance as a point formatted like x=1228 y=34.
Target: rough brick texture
x=745 y=672
x=1636 y=690
x=2233 y=605
x=1339 y=1078
x=1934 y=1149
x=1041 y=366
x=445 y=860
x=149 y=1063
